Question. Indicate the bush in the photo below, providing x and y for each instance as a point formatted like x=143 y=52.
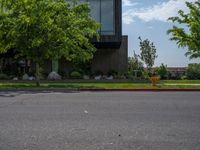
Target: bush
x=145 y=75
x=176 y=76
x=162 y=72
x=120 y=76
x=183 y=77
x=135 y=66
x=75 y=75
x=112 y=73
x=3 y=76
x=193 y=71
x=98 y=72
x=62 y=74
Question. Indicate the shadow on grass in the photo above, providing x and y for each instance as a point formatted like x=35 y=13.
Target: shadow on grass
x=78 y=81
x=70 y=86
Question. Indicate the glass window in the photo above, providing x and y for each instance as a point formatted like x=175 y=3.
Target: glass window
x=95 y=9
x=103 y=12
x=107 y=17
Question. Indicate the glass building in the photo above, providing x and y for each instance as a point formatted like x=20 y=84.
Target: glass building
x=103 y=12
x=109 y=14
x=112 y=47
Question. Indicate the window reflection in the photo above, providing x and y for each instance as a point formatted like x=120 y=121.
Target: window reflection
x=103 y=12
x=107 y=17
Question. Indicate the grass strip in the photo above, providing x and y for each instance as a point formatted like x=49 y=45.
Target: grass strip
x=95 y=86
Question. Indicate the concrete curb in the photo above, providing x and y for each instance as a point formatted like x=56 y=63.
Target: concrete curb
x=141 y=90
x=94 y=90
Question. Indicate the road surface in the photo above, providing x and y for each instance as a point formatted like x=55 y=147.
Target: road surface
x=100 y=121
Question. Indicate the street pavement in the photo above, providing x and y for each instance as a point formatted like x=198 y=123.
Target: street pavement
x=99 y=120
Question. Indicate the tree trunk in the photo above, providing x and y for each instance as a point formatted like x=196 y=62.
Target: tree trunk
x=149 y=71
x=37 y=74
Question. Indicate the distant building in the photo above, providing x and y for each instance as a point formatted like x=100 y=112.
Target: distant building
x=174 y=71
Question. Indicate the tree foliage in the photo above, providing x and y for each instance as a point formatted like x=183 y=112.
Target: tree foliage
x=135 y=65
x=40 y=29
x=47 y=29
x=147 y=53
x=162 y=71
x=188 y=38
x=193 y=71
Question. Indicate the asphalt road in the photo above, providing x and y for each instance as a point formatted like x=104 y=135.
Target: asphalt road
x=100 y=121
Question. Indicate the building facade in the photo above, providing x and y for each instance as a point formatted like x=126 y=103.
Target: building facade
x=112 y=53
x=112 y=48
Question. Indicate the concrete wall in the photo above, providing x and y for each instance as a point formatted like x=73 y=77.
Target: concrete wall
x=112 y=59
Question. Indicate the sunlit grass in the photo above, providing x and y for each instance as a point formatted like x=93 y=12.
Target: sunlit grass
x=94 y=85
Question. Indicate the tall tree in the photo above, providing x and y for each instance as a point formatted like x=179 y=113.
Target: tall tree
x=147 y=53
x=48 y=29
x=135 y=66
x=188 y=38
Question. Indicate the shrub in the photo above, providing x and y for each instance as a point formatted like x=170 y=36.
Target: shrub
x=193 y=71
x=135 y=67
x=162 y=72
x=62 y=74
x=3 y=76
x=145 y=75
x=120 y=76
x=75 y=75
x=98 y=72
x=112 y=73
x=183 y=77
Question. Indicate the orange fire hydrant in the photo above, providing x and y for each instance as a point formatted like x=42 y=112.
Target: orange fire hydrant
x=154 y=80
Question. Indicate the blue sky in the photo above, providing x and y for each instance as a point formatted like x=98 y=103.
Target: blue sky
x=148 y=19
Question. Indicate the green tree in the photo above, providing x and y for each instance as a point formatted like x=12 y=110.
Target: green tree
x=188 y=38
x=48 y=29
x=135 y=66
x=147 y=53
x=193 y=71
x=162 y=71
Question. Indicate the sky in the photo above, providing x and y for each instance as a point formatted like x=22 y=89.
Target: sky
x=148 y=19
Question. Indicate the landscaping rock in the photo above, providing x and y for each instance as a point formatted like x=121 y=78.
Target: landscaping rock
x=15 y=78
x=110 y=78
x=25 y=77
x=31 y=78
x=54 y=76
x=98 y=77
x=86 y=77
x=104 y=77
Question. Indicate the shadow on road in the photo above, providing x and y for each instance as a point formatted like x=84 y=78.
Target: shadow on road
x=12 y=93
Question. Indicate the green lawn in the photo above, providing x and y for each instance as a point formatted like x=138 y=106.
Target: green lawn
x=93 y=85
x=180 y=81
x=108 y=81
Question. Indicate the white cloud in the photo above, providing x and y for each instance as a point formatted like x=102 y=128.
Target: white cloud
x=159 y=12
x=128 y=3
